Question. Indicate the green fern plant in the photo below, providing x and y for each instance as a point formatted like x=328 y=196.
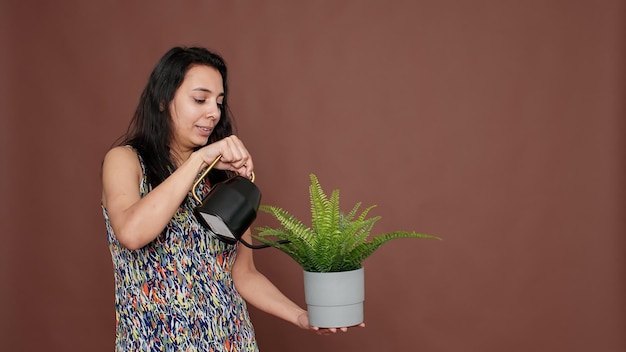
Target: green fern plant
x=335 y=241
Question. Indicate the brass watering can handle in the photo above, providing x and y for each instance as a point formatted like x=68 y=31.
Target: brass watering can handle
x=195 y=185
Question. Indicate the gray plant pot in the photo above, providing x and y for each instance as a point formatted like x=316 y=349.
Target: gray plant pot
x=335 y=299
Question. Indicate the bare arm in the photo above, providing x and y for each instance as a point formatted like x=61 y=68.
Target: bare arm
x=257 y=290
x=137 y=221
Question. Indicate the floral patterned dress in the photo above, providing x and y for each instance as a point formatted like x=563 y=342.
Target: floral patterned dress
x=177 y=293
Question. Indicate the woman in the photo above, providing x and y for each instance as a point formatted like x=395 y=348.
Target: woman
x=177 y=287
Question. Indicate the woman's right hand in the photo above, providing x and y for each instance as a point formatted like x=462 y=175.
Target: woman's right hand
x=234 y=156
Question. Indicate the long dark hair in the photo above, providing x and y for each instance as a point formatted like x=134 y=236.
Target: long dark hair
x=150 y=130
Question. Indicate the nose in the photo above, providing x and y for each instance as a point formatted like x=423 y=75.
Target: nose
x=213 y=112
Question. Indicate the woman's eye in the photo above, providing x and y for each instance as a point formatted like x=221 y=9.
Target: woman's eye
x=199 y=101
x=220 y=105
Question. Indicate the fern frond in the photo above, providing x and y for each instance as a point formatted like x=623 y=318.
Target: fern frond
x=298 y=248
x=319 y=205
x=352 y=212
x=335 y=241
x=365 y=249
x=333 y=213
x=291 y=224
x=359 y=232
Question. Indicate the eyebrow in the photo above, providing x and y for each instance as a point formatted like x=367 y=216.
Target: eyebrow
x=207 y=90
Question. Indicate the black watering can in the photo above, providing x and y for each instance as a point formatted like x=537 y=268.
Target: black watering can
x=229 y=208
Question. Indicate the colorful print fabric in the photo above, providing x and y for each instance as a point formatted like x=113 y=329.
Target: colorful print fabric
x=177 y=293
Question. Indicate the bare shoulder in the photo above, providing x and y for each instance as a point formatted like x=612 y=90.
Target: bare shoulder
x=121 y=173
x=121 y=153
x=121 y=158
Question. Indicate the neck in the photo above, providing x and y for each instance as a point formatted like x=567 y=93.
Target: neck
x=179 y=155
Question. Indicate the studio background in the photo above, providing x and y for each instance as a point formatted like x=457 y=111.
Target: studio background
x=497 y=125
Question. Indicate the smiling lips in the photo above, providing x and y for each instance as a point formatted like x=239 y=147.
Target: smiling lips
x=205 y=131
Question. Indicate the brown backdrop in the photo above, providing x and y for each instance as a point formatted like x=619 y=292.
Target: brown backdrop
x=498 y=125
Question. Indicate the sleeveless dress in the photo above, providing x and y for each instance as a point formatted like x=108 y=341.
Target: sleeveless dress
x=177 y=293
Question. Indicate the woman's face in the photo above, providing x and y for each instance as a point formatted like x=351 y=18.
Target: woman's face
x=195 y=109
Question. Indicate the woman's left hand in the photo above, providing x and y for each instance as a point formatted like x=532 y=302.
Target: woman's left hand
x=303 y=322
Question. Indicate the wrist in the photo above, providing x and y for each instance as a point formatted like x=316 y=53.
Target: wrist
x=197 y=162
x=302 y=319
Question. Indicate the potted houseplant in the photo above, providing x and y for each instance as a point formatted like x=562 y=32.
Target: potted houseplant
x=330 y=252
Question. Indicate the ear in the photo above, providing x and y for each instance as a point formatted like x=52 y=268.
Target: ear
x=161 y=106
